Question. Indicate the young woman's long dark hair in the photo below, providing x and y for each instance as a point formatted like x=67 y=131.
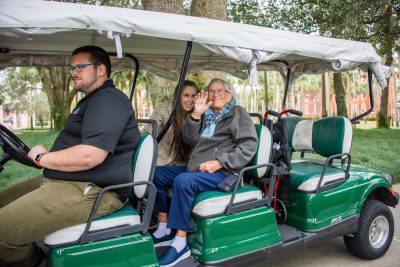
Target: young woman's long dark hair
x=180 y=150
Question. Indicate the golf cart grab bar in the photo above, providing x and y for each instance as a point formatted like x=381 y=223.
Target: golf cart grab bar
x=238 y=207
x=328 y=162
x=88 y=236
x=153 y=125
x=257 y=115
x=292 y=111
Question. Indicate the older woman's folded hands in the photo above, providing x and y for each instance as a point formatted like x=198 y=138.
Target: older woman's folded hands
x=210 y=166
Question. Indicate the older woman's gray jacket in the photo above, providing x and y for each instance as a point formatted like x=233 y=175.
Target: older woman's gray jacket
x=234 y=142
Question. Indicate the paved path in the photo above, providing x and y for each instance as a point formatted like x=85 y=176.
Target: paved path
x=333 y=253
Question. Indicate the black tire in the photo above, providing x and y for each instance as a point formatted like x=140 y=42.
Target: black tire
x=375 y=231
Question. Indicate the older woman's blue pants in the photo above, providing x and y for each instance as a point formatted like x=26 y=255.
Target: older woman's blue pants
x=185 y=186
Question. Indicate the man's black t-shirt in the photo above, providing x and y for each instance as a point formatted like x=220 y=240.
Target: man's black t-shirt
x=104 y=119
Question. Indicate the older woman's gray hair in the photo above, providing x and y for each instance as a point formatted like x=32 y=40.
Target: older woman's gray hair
x=228 y=87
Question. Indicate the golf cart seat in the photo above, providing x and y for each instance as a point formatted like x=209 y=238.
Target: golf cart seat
x=212 y=203
x=329 y=137
x=126 y=220
x=290 y=125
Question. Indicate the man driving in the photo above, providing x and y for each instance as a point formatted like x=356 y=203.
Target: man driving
x=94 y=150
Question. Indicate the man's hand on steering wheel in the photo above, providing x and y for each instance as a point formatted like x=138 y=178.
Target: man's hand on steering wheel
x=14 y=148
x=35 y=151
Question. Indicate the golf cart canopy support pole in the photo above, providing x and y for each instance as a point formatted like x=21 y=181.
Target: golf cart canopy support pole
x=286 y=87
x=178 y=91
x=137 y=66
x=371 y=99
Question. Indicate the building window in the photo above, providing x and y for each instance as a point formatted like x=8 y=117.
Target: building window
x=307 y=104
x=316 y=104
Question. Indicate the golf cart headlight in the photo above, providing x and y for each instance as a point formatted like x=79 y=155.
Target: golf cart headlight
x=388 y=177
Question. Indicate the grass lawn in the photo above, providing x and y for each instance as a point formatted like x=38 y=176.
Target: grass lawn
x=378 y=149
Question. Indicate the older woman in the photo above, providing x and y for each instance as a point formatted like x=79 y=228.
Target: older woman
x=224 y=138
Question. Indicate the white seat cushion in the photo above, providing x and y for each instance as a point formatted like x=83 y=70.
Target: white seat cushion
x=311 y=185
x=144 y=160
x=302 y=136
x=263 y=152
x=305 y=175
x=212 y=203
x=125 y=216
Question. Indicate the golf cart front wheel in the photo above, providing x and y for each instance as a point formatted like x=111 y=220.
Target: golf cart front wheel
x=375 y=231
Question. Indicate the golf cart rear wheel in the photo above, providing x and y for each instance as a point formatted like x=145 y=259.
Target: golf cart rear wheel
x=280 y=212
x=375 y=231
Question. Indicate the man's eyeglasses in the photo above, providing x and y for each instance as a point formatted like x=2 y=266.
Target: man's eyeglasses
x=79 y=67
x=218 y=91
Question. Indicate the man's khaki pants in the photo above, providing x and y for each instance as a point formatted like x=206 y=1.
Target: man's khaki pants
x=39 y=206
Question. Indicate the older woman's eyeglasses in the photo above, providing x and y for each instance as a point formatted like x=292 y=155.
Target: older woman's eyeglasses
x=217 y=91
x=79 y=67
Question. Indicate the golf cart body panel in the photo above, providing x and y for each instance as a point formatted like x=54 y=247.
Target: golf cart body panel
x=311 y=211
x=130 y=250
x=223 y=237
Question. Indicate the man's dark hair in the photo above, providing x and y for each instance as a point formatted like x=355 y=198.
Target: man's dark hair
x=97 y=55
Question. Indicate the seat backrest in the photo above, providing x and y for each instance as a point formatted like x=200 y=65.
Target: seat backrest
x=302 y=136
x=328 y=136
x=332 y=135
x=289 y=123
x=263 y=153
x=144 y=161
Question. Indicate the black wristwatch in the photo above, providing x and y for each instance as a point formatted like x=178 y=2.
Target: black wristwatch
x=37 y=159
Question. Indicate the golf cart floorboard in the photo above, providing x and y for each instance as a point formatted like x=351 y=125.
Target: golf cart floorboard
x=289 y=233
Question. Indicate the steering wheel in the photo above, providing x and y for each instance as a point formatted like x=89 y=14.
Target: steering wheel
x=14 y=148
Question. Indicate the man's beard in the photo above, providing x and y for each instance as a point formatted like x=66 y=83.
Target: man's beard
x=85 y=86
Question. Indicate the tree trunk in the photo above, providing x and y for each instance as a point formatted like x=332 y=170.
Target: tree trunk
x=56 y=85
x=277 y=97
x=265 y=90
x=292 y=99
x=348 y=93
x=163 y=87
x=324 y=112
x=340 y=95
x=396 y=93
x=166 y=6
x=383 y=114
x=212 y=9
x=302 y=99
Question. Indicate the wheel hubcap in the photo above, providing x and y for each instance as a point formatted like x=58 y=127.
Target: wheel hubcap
x=378 y=232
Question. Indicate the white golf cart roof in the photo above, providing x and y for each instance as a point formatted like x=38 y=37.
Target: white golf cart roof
x=46 y=32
